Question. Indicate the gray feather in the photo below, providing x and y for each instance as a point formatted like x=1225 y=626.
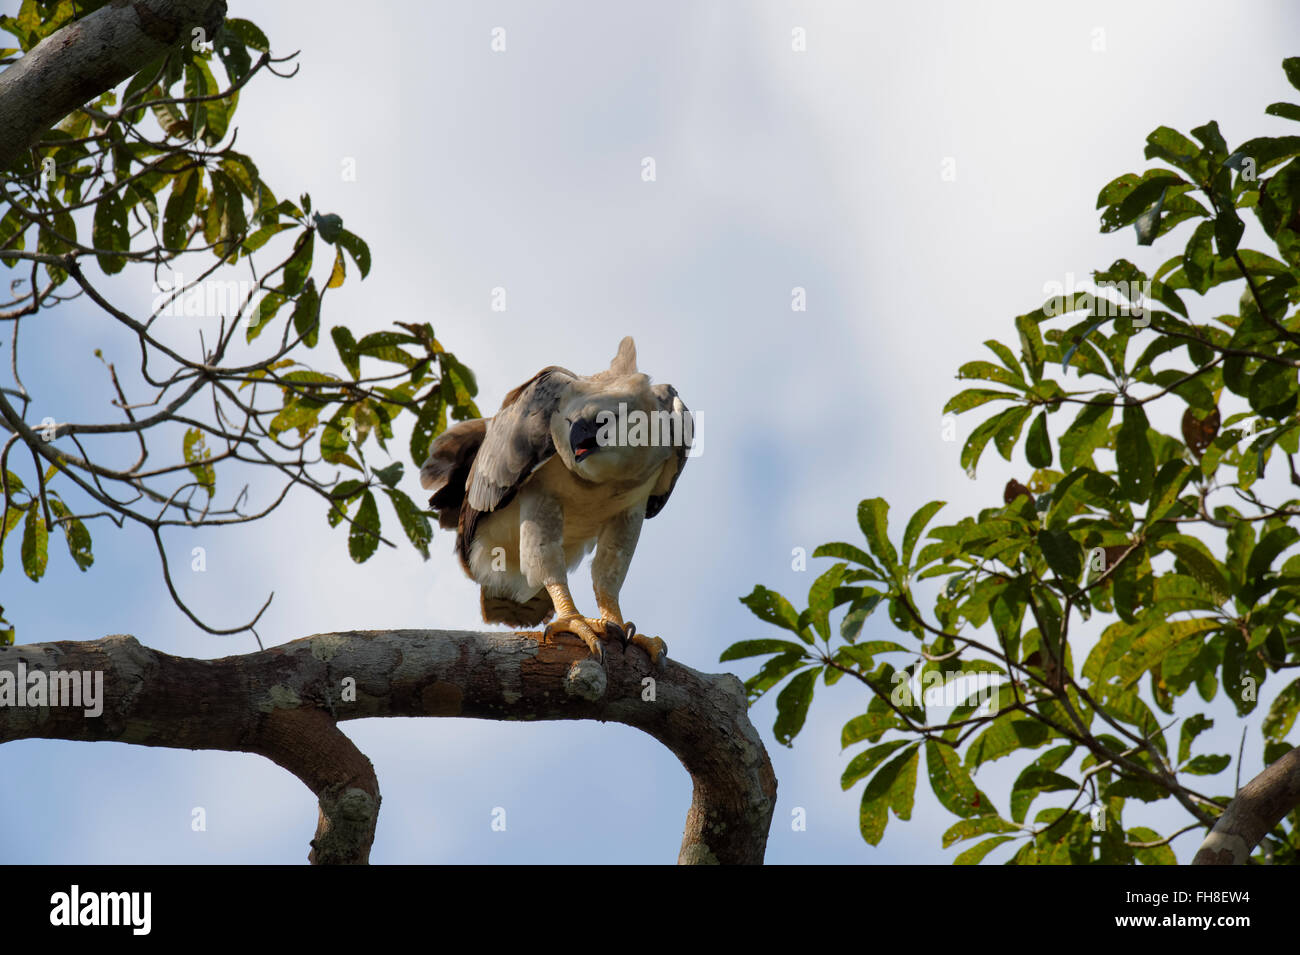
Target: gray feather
x=518 y=440
x=669 y=401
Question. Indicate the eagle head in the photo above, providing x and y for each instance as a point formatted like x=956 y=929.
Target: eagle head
x=603 y=430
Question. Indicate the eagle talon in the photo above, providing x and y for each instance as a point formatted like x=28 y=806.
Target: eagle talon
x=655 y=648
x=591 y=632
x=614 y=632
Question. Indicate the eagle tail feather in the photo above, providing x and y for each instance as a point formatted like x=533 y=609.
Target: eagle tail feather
x=531 y=613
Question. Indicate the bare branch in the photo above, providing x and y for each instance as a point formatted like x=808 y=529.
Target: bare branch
x=285 y=703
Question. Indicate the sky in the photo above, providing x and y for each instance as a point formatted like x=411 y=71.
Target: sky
x=921 y=171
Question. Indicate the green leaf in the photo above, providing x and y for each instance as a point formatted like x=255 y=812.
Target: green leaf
x=1004 y=425
x=977 y=826
x=862 y=764
x=792 y=705
x=771 y=607
x=1169 y=483
x=1063 y=554
x=264 y=233
x=337 y=274
x=952 y=784
x=773 y=672
x=359 y=251
x=1008 y=432
x=902 y=793
x=873 y=518
x=1039 y=777
x=414 y=522
x=74 y=533
x=1080 y=342
x=1089 y=431
x=199 y=82
x=916 y=526
x=363 y=539
x=991 y=372
x=1038 y=446
x=821 y=598
x=346 y=346
x=1273 y=390
x=866 y=726
x=976 y=853
x=170 y=118
x=111 y=231
x=329 y=226
x=754 y=648
x=841 y=551
x=1136 y=469
x=1281 y=715
x=196 y=455
x=1195 y=557
x=1207 y=765
x=893 y=786
x=1285 y=110
x=267 y=307
x=1193 y=726
x=299 y=264
x=35 y=546
x=859 y=611
x=429 y=423
x=1147 y=223
x=306 y=314
x=1150 y=648
x=974 y=397
x=233 y=53
x=1009 y=732
x=346 y=490
x=1291 y=66
x=248 y=34
x=1228 y=229
x=391 y=474
x=1033 y=782
x=1160 y=855
x=180 y=208
x=1176 y=149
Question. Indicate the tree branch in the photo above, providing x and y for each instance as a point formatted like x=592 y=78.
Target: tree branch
x=1256 y=809
x=285 y=703
x=87 y=56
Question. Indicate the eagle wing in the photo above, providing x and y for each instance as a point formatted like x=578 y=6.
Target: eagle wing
x=446 y=472
x=670 y=401
x=518 y=440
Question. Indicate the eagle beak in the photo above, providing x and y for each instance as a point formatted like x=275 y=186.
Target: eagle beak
x=582 y=438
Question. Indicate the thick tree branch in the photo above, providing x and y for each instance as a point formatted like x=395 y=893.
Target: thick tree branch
x=82 y=59
x=285 y=703
x=1257 y=808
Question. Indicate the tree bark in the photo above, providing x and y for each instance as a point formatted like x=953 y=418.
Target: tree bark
x=285 y=703
x=80 y=60
x=1257 y=808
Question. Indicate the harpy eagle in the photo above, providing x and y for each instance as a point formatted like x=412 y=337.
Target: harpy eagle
x=567 y=464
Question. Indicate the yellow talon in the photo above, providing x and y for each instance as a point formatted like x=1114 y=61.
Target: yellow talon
x=589 y=630
x=655 y=648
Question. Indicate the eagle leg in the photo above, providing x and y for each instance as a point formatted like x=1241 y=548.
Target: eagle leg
x=611 y=616
x=568 y=620
x=656 y=649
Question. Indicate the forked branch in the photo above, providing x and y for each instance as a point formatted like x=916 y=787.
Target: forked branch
x=285 y=703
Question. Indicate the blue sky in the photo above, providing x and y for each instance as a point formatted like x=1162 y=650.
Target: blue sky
x=522 y=169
